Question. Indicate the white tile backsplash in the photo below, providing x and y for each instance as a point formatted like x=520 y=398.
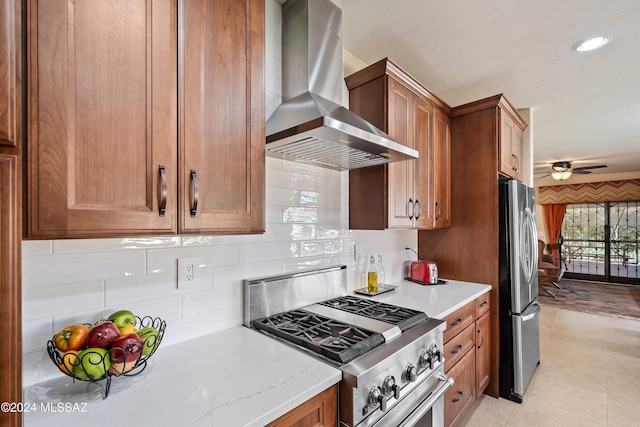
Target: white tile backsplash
x=62 y=299
x=57 y=269
x=69 y=281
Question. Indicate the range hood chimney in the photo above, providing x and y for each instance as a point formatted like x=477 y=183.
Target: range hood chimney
x=311 y=126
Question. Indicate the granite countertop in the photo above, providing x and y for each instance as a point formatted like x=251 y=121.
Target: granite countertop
x=237 y=377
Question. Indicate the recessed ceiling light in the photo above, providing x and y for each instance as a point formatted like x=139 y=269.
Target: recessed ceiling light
x=592 y=44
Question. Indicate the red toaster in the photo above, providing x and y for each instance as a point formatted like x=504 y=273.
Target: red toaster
x=424 y=272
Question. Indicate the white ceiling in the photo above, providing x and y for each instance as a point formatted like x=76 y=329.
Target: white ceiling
x=585 y=106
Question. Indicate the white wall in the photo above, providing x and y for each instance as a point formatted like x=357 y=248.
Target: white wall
x=68 y=281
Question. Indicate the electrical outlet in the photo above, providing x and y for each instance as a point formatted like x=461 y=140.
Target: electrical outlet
x=188 y=272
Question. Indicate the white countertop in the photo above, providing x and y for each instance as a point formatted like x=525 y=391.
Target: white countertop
x=238 y=377
x=436 y=301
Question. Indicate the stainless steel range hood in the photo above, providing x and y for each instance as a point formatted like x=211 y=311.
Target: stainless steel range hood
x=311 y=126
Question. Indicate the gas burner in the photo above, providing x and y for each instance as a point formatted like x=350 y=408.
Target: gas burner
x=333 y=339
x=404 y=318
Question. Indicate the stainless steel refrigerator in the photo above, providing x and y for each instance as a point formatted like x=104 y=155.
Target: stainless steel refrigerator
x=519 y=307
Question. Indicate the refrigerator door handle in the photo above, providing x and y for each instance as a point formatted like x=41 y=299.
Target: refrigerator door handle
x=536 y=310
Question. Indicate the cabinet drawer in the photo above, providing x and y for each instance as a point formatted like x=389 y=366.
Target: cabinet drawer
x=459 y=399
x=483 y=304
x=459 y=345
x=459 y=320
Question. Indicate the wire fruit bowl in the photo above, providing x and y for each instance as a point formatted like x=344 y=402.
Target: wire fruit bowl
x=103 y=364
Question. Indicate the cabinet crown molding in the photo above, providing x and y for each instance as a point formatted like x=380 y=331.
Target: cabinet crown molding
x=389 y=68
x=491 y=102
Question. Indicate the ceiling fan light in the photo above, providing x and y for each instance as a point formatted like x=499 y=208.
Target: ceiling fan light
x=561 y=175
x=591 y=44
x=561 y=166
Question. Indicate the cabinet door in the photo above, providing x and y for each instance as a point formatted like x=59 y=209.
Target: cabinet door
x=319 y=411
x=510 y=147
x=516 y=151
x=221 y=123
x=423 y=134
x=10 y=73
x=441 y=170
x=459 y=399
x=483 y=353
x=10 y=297
x=102 y=117
x=506 y=159
x=401 y=174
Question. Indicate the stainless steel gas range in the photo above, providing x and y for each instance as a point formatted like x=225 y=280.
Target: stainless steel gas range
x=390 y=357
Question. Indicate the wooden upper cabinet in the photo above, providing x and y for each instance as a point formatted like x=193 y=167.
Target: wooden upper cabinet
x=425 y=168
x=411 y=193
x=10 y=73
x=402 y=107
x=441 y=199
x=510 y=146
x=102 y=117
x=112 y=147
x=221 y=126
x=508 y=137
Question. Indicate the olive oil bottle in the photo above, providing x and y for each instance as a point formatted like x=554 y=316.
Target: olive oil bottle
x=372 y=276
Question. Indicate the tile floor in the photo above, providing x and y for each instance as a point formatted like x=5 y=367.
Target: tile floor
x=589 y=375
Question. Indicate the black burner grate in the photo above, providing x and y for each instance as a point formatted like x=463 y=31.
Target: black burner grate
x=336 y=340
x=404 y=318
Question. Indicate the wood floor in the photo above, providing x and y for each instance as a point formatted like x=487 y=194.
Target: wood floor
x=589 y=375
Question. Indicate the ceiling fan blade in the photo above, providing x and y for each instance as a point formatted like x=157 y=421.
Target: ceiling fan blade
x=581 y=172
x=542 y=174
x=583 y=168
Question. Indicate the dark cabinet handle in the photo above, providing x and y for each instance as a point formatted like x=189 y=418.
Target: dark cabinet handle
x=194 y=205
x=484 y=304
x=162 y=206
x=457 y=398
x=438 y=210
x=411 y=209
x=517 y=165
x=457 y=350
x=481 y=336
x=417 y=205
x=456 y=323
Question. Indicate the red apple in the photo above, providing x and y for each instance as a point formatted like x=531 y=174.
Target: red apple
x=124 y=353
x=103 y=334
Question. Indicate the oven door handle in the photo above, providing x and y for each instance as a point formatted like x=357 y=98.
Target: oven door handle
x=425 y=406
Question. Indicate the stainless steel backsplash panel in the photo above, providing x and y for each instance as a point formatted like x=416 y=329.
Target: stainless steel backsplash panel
x=266 y=296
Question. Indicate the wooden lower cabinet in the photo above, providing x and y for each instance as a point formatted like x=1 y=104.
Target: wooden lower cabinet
x=467 y=353
x=319 y=411
x=483 y=353
x=459 y=399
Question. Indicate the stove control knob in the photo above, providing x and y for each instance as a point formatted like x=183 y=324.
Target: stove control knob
x=376 y=398
x=425 y=361
x=410 y=373
x=390 y=388
x=434 y=353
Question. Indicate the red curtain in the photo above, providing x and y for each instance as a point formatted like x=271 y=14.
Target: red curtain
x=553 y=216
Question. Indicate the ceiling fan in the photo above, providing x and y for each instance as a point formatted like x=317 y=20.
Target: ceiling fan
x=563 y=170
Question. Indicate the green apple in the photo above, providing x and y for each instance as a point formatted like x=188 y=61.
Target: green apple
x=123 y=318
x=92 y=363
x=151 y=340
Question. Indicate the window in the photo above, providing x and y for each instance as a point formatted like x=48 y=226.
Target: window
x=600 y=241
